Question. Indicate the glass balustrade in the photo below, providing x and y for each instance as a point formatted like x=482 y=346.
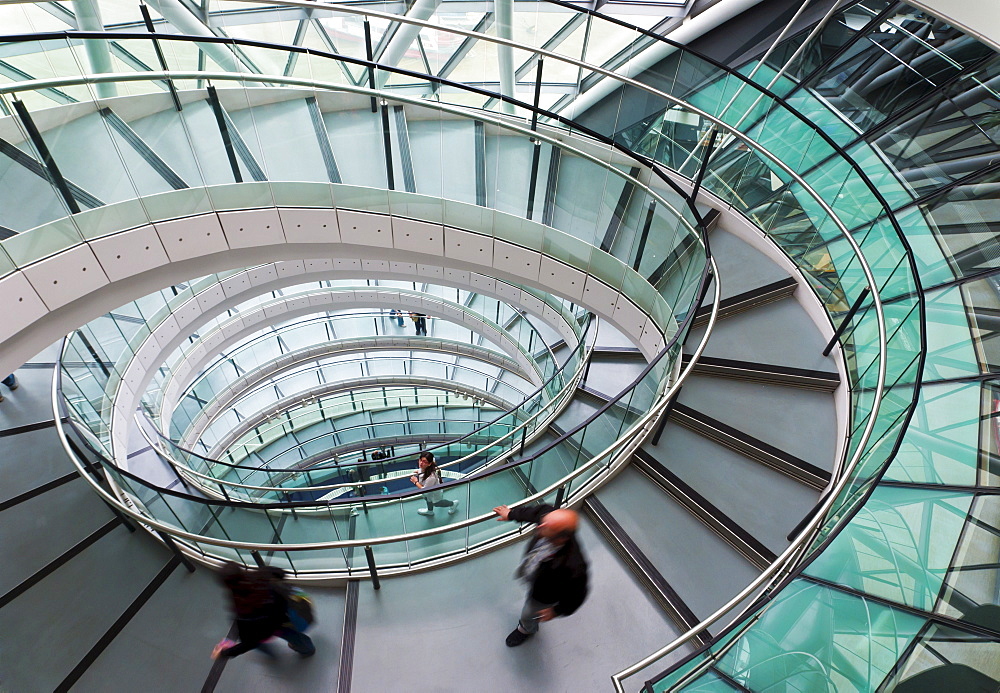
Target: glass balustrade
x=293 y=341
x=760 y=165
x=789 y=157
x=512 y=429
x=665 y=274
x=236 y=438
x=733 y=107
x=563 y=466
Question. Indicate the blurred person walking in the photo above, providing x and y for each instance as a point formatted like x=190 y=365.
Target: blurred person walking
x=553 y=567
x=260 y=604
x=11 y=382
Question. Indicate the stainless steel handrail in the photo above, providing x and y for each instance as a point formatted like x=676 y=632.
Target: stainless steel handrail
x=626 y=439
x=558 y=401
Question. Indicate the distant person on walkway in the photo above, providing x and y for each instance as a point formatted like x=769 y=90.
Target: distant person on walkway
x=398 y=315
x=428 y=477
x=11 y=382
x=420 y=322
x=553 y=567
x=260 y=605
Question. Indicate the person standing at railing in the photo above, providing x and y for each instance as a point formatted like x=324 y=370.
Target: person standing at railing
x=11 y=382
x=553 y=567
x=429 y=476
x=396 y=315
x=261 y=610
x=420 y=323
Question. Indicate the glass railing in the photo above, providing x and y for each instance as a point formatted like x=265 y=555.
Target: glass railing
x=230 y=376
x=317 y=464
x=652 y=242
x=827 y=225
x=832 y=217
x=514 y=428
x=321 y=542
x=236 y=441
x=584 y=206
x=115 y=338
x=297 y=374
x=359 y=479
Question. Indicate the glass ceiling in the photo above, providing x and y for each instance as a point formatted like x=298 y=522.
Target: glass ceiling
x=441 y=53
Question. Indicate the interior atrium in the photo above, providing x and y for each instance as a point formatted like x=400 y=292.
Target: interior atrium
x=721 y=275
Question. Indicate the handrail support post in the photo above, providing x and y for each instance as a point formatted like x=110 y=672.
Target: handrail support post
x=172 y=545
x=847 y=320
x=370 y=557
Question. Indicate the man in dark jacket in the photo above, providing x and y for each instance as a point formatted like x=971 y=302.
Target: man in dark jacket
x=553 y=567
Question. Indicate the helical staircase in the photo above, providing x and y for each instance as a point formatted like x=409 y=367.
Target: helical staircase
x=686 y=302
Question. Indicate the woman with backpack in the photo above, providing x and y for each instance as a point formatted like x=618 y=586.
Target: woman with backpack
x=260 y=603
x=428 y=476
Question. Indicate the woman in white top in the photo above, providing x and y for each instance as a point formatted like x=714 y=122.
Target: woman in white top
x=428 y=477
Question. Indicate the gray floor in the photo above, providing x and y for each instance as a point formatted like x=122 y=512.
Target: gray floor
x=444 y=631
x=167 y=643
x=289 y=672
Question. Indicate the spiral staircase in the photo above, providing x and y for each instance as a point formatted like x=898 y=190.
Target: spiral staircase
x=727 y=311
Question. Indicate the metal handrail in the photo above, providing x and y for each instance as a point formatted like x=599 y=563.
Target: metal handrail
x=566 y=388
x=882 y=338
x=827 y=209
x=557 y=401
x=644 y=422
x=406 y=19
x=219 y=328
x=297 y=472
x=274 y=371
x=261 y=419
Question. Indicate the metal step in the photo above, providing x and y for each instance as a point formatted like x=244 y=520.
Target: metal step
x=716 y=520
x=641 y=567
x=748 y=299
x=751 y=447
x=617 y=351
x=826 y=381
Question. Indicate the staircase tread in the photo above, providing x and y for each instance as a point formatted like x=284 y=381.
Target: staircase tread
x=647 y=463
x=829 y=375
x=610 y=375
x=48 y=461
x=741 y=266
x=799 y=422
x=72 y=608
x=779 y=333
x=39 y=530
x=764 y=502
x=686 y=553
x=31 y=402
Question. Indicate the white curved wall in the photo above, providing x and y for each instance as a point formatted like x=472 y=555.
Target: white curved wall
x=52 y=296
